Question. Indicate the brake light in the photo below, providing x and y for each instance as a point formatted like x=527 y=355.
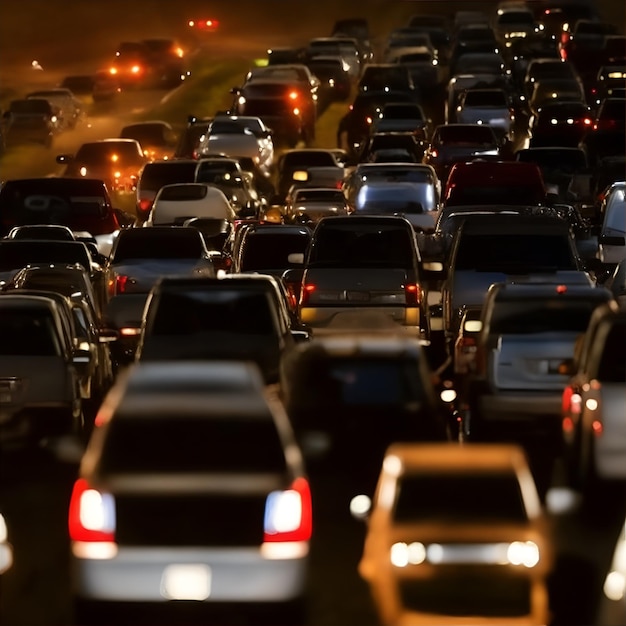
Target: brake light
x=91 y=514
x=288 y=514
x=587 y=121
x=468 y=344
x=117 y=285
x=144 y=206
x=293 y=95
x=306 y=291
x=413 y=294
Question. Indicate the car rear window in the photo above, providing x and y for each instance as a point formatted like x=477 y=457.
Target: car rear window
x=183 y=192
x=28 y=333
x=460 y=498
x=156 y=175
x=158 y=245
x=365 y=245
x=223 y=310
x=265 y=251
x=174 y=444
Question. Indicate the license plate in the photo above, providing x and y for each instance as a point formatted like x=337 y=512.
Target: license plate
x=186 y=582
x=358 y=296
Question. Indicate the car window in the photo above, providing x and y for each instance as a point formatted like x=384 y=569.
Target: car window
x=157 y=245
x=265 y=251
x=175 y=444
x=28 y=333
x=245 y=312
x=460 y=498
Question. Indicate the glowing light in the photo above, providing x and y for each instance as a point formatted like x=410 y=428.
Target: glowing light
x=186 y=582
x=615 y=586
x=523 y=553
x=591 y=404
x=360 y=505
x=283 y=511
x=97 y=511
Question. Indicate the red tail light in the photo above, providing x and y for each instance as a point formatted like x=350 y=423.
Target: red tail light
x=91 y=514
x=468 y=344
x=117 y=285
x=413 y=294
x=144 y=206
x=306 y=291
x=288 y=513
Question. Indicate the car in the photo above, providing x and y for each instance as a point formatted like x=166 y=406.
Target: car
x=513 y=21
x=485 y=60
x=612 y=237
x=405 y=145
x=403 y=118
x=308 y=167
x=335 y=83
x=494 y=182
x=608 y=79
x=283 y=105
x=366 y=173
x=339 y=46
x=237 y=184
x=218 y=442
x=307 y=205
x=156 y=137
x=238 y=136
x=39 y=373
x=607 y=135
x=592 y=408
x=176 y=203
x=81 y=204
x=362 y=264
x=18 y=253
x=459 y=83
x=416 y=202
x=560 y=123
x=550 y=89
x=166 y=59
x=71 y=109
x=466 y=518
x=30 y=120
x=106 y=87
x=527 y=337
x=238 y=317
x=422 y=61
x=191 y=136
x=156 y=174
x=352 y=393
x=114 y=160
x=354 y=127
x=404 y=38
x=487 y=106
x=547 y=68
x=265 y=248
x=490 y=248
x=459 y=142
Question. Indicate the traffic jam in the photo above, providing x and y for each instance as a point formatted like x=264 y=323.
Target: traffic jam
x=318 y=329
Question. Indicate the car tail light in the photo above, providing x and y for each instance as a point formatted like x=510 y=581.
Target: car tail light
x=413 y=294
x=117 y=285
x=434 y=154
x=305 y=292
x=144 y=206
x=468 y=344
x=288 y=513
x=91 y=514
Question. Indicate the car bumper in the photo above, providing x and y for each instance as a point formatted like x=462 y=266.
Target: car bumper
x=322 y=317
x=206 y=574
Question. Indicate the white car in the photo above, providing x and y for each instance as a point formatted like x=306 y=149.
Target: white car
x=239 y=136
x=487 y=106
x=456 y=535
x=178 y=203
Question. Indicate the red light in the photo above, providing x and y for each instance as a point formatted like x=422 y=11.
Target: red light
x=566 y=400
x=306 y=291
x=413 y=294
x=77 y=530
x=434 y=154
x=568 y=425
x=561 y=288
x=596 y=426
x=305 y=527
x=118 y=285
x=144 y=206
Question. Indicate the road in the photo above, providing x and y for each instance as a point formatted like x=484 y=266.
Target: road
x=35 y=487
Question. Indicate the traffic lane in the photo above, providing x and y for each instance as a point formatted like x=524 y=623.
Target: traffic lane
x=35 y=490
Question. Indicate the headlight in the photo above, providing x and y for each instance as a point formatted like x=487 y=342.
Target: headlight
x=524 y=553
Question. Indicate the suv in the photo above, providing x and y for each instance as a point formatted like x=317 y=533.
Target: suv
x=524 y=347
x=215 y=510
x=235 y=318
x=363 y=264
x=40 y=395
x=31 y=120
x=493 y=248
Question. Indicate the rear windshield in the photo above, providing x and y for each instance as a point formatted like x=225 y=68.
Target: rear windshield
x=174 y=444
x=266 y=252
x=18 y=254
x=26 y=332
x=122 y=153
x=366 y=246
x=158 y=245
x=219 y=310
x=542 y=316
x=183 y=192
x=512 y=253
x=460 y=498
x=156 y=176
x=478 y=98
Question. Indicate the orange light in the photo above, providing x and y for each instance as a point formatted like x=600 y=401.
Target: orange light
x=293 y=95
